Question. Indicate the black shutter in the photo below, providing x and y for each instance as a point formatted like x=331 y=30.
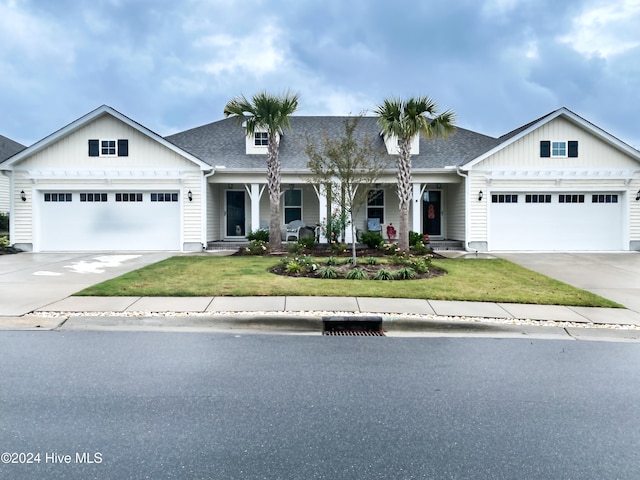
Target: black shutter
x=94 y=148
x=123 y=148
x=545 y=148
x=573 y=148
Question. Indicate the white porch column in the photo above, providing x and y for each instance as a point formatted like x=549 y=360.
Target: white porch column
x=321 y=193
x=255 y=206
x=416 y=221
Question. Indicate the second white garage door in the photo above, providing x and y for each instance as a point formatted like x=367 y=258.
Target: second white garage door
x=107 y=220
x=571 y=221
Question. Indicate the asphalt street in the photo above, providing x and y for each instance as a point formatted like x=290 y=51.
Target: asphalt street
x=234 y=406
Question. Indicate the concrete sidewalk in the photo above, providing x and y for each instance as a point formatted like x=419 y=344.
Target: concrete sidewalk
x=296 y=314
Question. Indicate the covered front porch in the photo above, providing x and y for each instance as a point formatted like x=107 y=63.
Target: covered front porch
x=238 y=205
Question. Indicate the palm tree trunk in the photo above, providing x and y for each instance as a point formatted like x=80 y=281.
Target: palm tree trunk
x=404 y=185
x=273 y=181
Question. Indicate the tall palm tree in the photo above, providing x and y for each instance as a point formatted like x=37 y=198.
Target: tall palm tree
x=404 y=119
x=270 y=113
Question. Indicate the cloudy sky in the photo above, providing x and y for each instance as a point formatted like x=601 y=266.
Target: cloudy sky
x=173 y=64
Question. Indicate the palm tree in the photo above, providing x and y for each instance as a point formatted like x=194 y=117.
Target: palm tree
x=268 y=113
x=404 y=119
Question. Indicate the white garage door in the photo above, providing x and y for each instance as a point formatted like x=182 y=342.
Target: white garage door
x=572 y=221
x=104 y=220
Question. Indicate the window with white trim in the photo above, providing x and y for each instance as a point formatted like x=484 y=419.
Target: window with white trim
x=261 y=139
x=375 y=204
x=108 y=148
x=93 y=197
x=559 y=149
x=292 y=205
x=57 y=197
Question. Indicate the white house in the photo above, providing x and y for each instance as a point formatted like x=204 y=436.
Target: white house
x=105 y=182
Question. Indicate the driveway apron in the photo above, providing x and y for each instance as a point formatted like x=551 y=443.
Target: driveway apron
x=29 y=281
x=612 y=275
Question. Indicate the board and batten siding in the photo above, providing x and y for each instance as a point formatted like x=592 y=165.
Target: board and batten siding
x=524 y=153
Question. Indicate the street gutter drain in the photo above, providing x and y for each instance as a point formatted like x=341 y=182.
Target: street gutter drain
x=352 y=326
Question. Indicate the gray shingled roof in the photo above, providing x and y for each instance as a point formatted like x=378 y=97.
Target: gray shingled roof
x=223 y=143
x=8 y=148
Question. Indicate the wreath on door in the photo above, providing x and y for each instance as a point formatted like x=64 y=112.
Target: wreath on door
x=431 y=212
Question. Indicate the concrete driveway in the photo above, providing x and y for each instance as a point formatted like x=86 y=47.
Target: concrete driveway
x=612 y=275
x=29 y=281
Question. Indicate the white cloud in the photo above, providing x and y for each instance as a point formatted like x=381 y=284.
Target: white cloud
x=605 y=30
x=257 y=53
x=24 y=33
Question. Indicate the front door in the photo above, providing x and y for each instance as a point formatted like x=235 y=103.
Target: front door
x=235 y=213
x=431 y=213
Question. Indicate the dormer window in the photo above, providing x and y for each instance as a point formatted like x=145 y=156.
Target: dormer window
x=392 y=143
x=261 y=139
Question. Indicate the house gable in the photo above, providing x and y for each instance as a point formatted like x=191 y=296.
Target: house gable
x=521 y=149
x=70 y=147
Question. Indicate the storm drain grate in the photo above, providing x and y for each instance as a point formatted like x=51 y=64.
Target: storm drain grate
x=352 y=326
x=353 y=333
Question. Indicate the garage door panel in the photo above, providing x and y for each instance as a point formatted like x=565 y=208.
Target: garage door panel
x=555 y=225
x=90 y=225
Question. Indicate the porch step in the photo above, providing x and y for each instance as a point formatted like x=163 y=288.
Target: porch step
x=237 y=245
x=447 y=245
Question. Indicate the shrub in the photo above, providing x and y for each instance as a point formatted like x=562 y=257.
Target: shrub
x=348 y=260
x=415 y=237
x=261 y=234
x=405 y=273
x=383 y=274
x=420 y=248
x=257 y=247
x=295 y=248
x=390 y=248
x=332 y=261
x=372 y=239
x=356 y=274
x=328 y=272
x=419 y=264
x=293 y=267
x=307 y=242
x=372 y=261
x=4 y=242
x=338 y=248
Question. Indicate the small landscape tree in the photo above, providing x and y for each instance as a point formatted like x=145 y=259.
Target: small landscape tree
x=347 y=167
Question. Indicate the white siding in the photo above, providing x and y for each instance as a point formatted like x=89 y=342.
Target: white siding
x=454 y=214
x=66 y=166
x=593 y=152
x=4 y=193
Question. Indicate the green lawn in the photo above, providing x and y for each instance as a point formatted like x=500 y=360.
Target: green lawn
x=489 y=280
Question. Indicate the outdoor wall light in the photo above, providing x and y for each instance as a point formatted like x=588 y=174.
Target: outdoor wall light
x=291 y=186
x=480 y=195
x=23 y=196
x=230 y=186
x=638 y=196
x=190 y=196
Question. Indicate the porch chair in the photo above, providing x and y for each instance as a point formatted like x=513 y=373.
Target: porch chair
x=293 y=229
